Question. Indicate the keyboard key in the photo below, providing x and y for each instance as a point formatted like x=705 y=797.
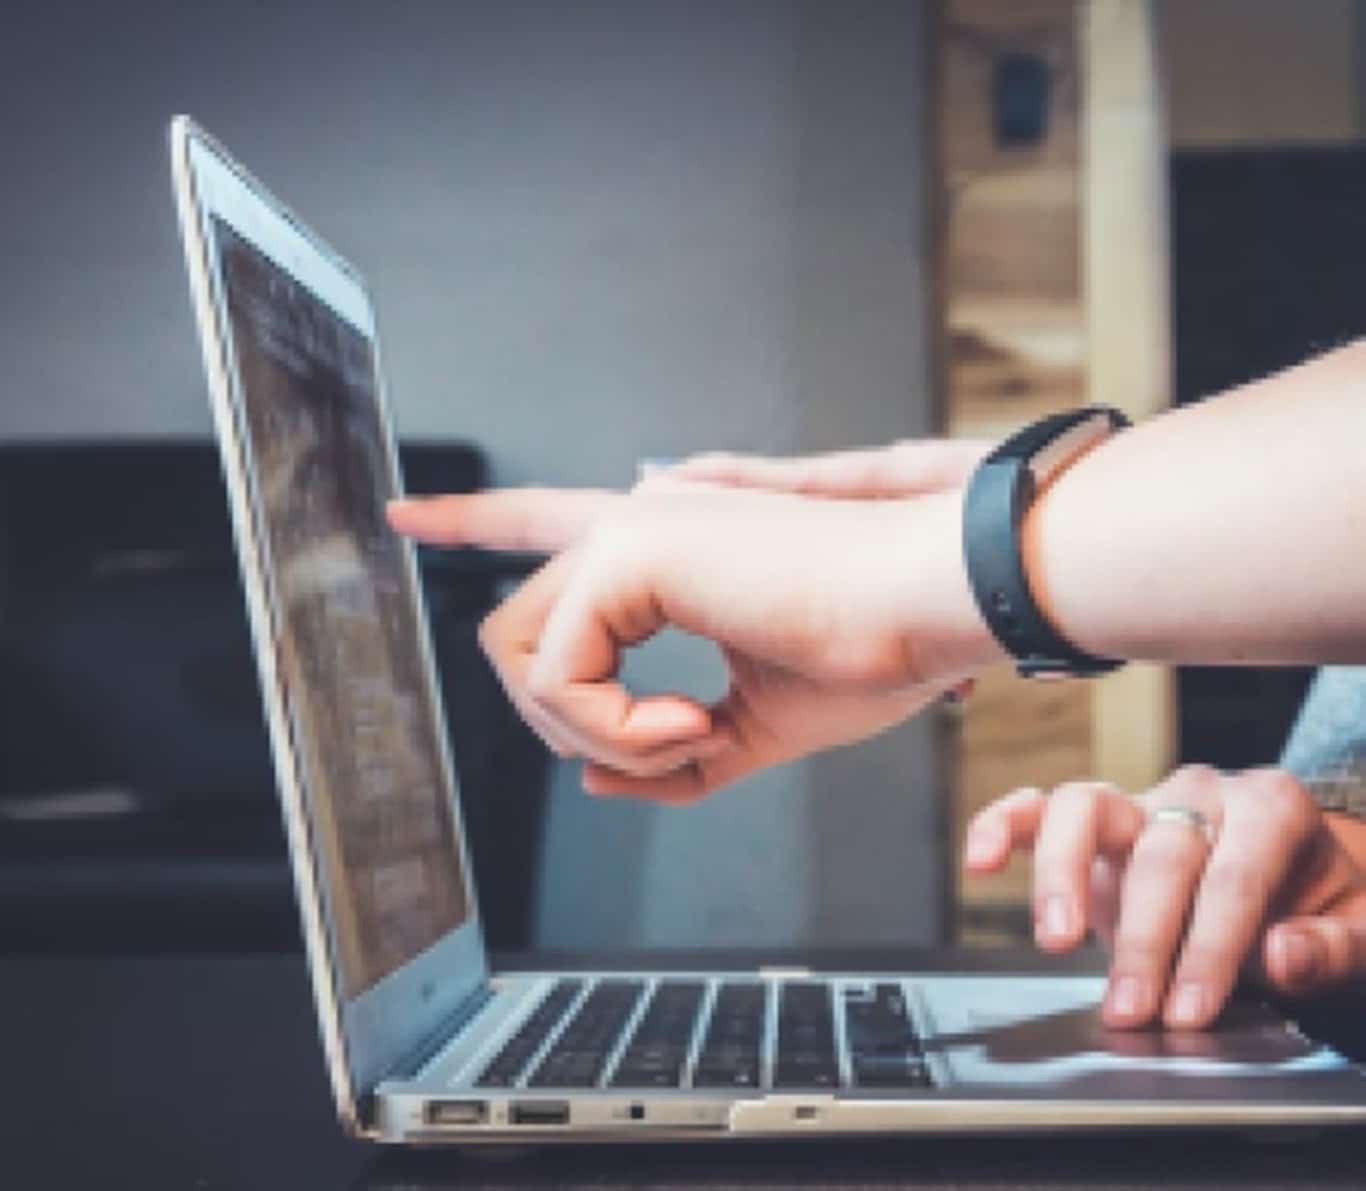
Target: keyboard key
x=577 y=1057
x=885 y=1051
x=806 y=1038
x=518 y=1050
x=730 y=1056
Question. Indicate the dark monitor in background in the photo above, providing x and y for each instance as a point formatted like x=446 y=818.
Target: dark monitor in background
x=137 y=798
x=1267 y=252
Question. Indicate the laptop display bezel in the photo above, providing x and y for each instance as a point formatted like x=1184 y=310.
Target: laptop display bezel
x=366 y=1036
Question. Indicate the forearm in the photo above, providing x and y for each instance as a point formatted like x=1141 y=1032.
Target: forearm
x=1226 y=532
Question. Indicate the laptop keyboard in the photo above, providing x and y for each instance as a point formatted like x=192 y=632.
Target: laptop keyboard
x=680 y=1039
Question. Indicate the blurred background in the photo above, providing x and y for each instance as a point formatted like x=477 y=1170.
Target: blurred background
x=602 y=232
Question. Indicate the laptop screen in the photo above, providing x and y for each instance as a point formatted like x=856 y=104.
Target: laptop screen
x=349 y=653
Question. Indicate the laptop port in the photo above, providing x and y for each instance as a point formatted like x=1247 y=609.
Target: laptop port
x=539 y=1112
x=457 y=1112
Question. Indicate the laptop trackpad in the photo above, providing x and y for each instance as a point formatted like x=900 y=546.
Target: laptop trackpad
x=1030 y=1031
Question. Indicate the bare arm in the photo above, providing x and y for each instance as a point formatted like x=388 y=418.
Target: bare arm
x=1226 y=532
x=1233 y=531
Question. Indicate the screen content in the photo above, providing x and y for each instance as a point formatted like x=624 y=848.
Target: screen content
x=348 y=649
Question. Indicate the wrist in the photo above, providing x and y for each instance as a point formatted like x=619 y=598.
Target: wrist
x=943 y=634
x=1000 y=508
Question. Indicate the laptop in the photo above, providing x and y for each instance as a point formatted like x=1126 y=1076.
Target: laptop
x=423 y=1041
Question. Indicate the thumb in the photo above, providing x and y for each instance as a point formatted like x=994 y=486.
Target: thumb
x=1306 y=955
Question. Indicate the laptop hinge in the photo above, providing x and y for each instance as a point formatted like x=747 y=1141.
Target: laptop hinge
x=413 y=1063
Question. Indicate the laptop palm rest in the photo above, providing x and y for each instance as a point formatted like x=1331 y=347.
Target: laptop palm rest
x=1045 y=1035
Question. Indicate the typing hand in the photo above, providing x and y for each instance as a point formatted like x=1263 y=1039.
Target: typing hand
x=1190 y=883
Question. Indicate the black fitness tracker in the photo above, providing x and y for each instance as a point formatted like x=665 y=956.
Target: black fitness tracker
x=998 y=496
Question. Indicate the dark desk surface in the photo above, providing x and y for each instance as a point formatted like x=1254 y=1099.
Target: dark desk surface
x=204 y=1073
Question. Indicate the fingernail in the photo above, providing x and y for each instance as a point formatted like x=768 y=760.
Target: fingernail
x=1126 y=995
x=1188 y=1003
x=669 y=721
x=1297 y=954
x=1057 y=917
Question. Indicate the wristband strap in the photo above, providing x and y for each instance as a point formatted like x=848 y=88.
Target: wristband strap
x=998 y=496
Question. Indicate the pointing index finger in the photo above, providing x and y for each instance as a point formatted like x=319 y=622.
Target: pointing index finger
x=534 y=520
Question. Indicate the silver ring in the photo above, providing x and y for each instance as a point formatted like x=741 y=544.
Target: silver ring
x=1186 y=815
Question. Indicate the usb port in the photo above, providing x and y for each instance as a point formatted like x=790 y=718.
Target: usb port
x=539 y=1112
x=457 y=1112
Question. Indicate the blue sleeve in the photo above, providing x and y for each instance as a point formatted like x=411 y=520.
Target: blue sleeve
x=1327 y=746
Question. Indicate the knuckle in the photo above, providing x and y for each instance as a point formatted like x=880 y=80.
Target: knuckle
x=1199 y=777
x=1234 y=883
x=1281 y=797
x=1003 y=808
x=1070 y=794
x=1079 y=797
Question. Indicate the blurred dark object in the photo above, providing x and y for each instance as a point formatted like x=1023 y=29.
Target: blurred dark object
x=1267 y=249
x=137 y=798
x=1021 y=89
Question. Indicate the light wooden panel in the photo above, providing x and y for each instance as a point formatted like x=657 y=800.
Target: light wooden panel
x=1015 y=348
x=1053 y=293
x=1012 y=260
x=1128 y=306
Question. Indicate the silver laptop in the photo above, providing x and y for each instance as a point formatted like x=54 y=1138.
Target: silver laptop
x=423 y=1041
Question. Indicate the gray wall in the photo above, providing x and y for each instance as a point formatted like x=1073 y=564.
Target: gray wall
x=596 y=232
